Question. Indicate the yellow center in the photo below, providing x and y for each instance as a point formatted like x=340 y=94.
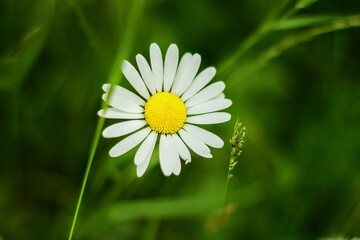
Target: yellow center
x=165 y=113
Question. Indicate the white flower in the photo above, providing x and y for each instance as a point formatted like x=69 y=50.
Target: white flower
x=171 y=98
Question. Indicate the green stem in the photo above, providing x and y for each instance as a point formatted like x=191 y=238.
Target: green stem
x=114 y=78
x=87 y=171
x=227 y=185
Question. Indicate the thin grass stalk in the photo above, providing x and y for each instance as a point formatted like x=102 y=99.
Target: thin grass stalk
x=114 y=78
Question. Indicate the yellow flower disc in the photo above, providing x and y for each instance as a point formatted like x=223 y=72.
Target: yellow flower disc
x=165 y=113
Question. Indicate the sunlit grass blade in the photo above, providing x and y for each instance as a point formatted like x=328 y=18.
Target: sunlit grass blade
x=331 y=25
x=276 y=17
x=303 y=36
x=302 y=22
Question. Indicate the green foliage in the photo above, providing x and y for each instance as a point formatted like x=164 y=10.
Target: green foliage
x=292 y=72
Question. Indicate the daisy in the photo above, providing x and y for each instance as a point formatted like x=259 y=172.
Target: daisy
x=171 y=98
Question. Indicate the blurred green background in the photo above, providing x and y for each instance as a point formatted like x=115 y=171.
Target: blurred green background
x=294 y=82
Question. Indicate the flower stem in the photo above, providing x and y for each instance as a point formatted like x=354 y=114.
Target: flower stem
x=114 y=78
x=229 y=176
x=87 y=171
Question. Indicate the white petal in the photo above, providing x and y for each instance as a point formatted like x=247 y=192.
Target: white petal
x=174 y=156
x=114 y=113
x=209 y=118
x=199 y=82
x=145 y=148
x=129 y=142
x=157 y=65
x=181 y=148
x=195 y=144
x=122 y=103
x=187 y=76
x=183 y=65
x=134 y=78
x=170 y=66
x=219 y=96
x=123 y=92
x=166 y=164
x=210 y=106
x=123 y=128
x=206 y=94
x=207 y=137
x=141 y=168
x=146 y=73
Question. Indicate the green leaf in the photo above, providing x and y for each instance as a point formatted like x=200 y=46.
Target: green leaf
x=203 y=204
x=186 y=206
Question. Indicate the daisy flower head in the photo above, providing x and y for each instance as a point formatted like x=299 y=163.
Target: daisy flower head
x=171 y=100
